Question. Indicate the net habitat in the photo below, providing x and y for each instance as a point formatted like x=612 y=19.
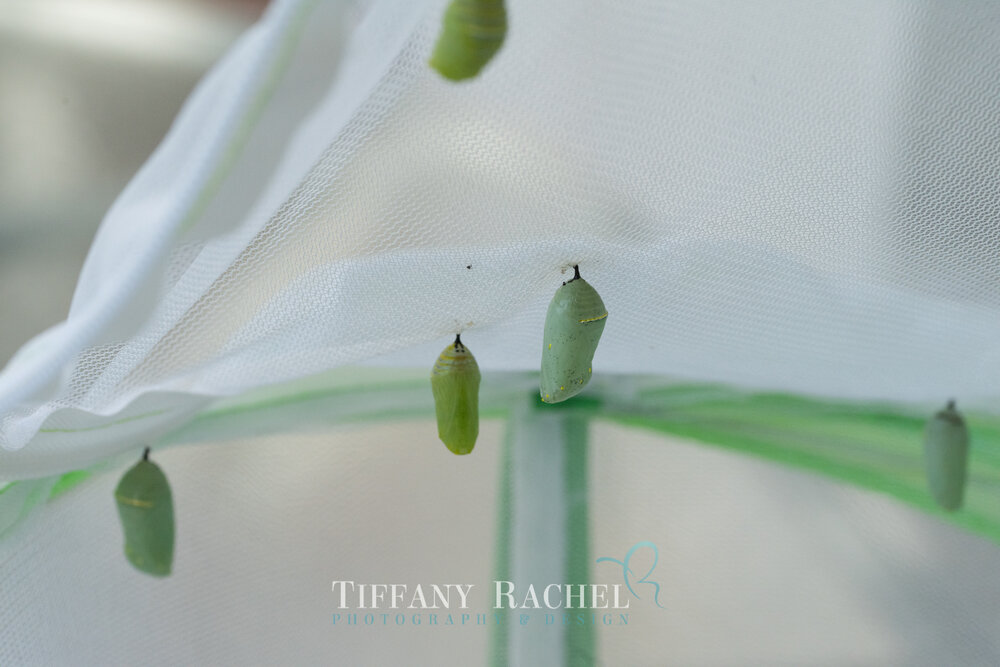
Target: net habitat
x=780 y=196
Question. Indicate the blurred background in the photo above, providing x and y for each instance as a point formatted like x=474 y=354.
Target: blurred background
x=88 y=88
x=786 y=566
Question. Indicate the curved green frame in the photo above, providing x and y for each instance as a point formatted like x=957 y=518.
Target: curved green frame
x=876 y=447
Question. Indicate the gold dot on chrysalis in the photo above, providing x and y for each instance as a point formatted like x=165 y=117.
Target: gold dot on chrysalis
x=561 y=388
x=550 y=346
x=590 y=370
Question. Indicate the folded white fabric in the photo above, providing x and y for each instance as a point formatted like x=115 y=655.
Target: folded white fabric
x=780 y=195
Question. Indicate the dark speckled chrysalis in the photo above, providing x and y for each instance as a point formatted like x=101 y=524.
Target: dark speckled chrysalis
x=471 y=33
x=455 y=384
x=573 y=327
x=146 y=509
x=946 y=452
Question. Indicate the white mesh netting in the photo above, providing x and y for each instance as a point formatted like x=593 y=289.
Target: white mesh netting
x=782 y=195
x=760 y=564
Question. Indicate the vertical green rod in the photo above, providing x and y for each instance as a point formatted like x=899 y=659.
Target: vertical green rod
x=543 y=534
x=538 y=529
x=500 y=633
x=580 y=639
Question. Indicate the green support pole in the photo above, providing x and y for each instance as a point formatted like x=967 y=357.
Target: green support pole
x=543 y=533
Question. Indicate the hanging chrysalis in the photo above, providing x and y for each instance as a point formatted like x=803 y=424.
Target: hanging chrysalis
x=471 y=34
x=147 y=514
x=946 y=448
x=573 y=327
x=455 y=383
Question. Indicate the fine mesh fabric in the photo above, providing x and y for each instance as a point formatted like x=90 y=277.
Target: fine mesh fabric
x=783 y=195
x=766 y=565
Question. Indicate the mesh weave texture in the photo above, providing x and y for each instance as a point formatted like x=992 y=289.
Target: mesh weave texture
x=798 y=196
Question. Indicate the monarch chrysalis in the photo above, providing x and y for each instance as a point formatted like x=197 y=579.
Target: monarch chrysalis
x=472 y=32
x=573 y=327
x=147 y=513
x=946 y=448
x=455 y=384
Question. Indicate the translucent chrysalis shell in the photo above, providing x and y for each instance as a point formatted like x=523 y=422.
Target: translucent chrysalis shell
x=471 y=34
x=455 y=384
x=946 y=451
x=146 y=509
x=573 y=327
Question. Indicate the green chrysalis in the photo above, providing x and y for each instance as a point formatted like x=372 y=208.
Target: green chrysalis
x=455 y=383
x=573 y=327
x=946 y=449
x=147 y=514
x=471 y=34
